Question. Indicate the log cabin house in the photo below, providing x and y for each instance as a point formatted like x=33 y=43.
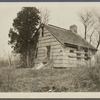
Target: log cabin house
x=65 y=47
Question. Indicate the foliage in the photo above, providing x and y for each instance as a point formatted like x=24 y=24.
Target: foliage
x=25 y=27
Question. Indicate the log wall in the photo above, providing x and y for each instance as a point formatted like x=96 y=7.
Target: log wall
x=58 y=53
x=49 y=40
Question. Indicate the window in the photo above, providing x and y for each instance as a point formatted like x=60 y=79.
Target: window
x=86 y=54
x=78 y=56
x=78 y=53
x=42 y=31
x=48 y=51
x=71 y=51
x=36 y=53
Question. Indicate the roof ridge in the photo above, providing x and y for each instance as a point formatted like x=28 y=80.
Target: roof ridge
x=58 y=27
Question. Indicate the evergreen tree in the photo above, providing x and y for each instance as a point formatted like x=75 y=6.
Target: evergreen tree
x=24 y=30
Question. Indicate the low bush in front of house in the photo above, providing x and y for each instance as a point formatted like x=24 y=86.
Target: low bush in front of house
x=89 y=78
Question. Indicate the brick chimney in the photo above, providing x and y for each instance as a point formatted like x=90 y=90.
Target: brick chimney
x=73 y=28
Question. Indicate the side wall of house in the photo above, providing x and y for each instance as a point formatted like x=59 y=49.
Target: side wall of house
x=70 y=58
x=55 y=48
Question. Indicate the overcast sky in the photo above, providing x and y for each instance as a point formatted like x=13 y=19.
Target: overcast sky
x=61 y=14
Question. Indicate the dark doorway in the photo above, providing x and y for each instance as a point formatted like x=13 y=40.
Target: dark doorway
x=48 y=51
x=36 y=53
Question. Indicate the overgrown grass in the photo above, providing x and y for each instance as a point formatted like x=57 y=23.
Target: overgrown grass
x=74 y=79
x=3 y=63
x=46 y=80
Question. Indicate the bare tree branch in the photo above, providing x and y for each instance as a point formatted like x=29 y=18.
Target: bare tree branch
x=45 y=16
x=91 y=35
x=87 y=21
x=98 y=42
x=91 y=22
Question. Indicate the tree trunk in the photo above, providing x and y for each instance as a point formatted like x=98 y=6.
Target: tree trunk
x=85 y=32
x=23 y=60
x=27 y=59
x=98 y=43
x=32 y=52
x=30 y=59
x=91 y=36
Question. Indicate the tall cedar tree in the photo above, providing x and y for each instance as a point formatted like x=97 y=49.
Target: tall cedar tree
x=25 y=27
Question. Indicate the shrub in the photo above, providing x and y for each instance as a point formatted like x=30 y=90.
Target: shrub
x=88 y=77
x=3 y=63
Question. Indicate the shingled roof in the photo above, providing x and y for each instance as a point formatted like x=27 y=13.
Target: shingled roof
x=66 y=36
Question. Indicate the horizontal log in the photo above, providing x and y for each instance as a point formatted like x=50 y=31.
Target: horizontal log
x=58 y=57
x=60 y=63
x=56 y=54
x=68 y=49
x=80 y=52
x=56 y=47
x=46 y=37
x=48 y=44
x=52 y=46
x=47 y=33
x=56 y=50
x=57 y=62
x=42 y=46
x=53 y=50
x=54 y=57
x=47 y=41
x=77 y=57
x=40 y=55
x=40 y=51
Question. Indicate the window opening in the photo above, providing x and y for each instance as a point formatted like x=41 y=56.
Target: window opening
x=48 y=51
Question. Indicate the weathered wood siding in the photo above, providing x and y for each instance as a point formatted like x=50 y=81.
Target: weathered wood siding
x=49 y=40
x=74 y=62
x=71 y=62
